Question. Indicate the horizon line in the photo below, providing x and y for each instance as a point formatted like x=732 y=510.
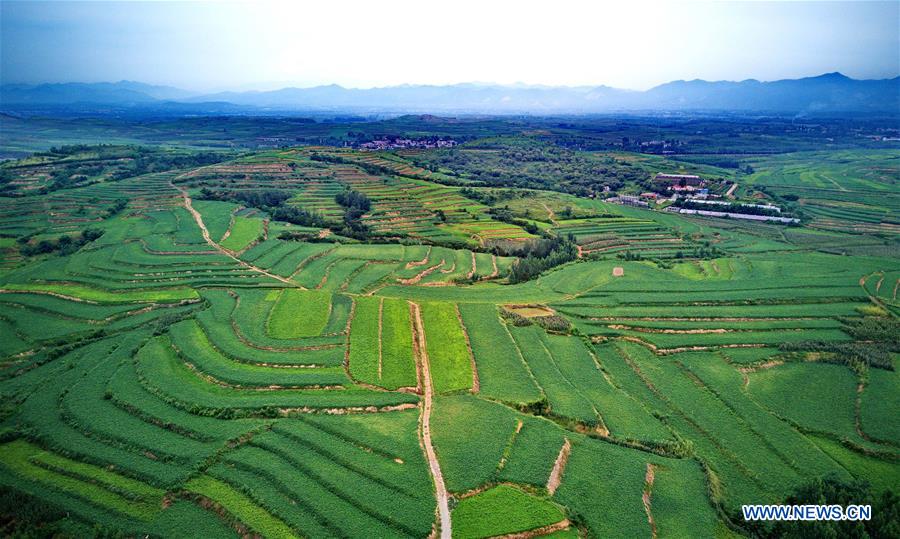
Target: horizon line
x=519 y=84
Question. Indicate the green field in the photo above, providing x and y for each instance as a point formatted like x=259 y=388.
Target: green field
x=274 y=380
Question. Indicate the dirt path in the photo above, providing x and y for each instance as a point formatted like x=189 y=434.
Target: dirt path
x=540 y=532
x=550 y=214
x=558 y=467
x=422 y=274
x=414 y=263
x=230 y=223
x=472 y=272
x=730 y=193
x=496 y=271
x=836 y=184
x=199 y=219
x=443 y=505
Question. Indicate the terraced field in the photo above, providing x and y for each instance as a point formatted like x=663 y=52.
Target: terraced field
x=404 y=199
x=619 y=235
x=189 y=369
x=842 y=191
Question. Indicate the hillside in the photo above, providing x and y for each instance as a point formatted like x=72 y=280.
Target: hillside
x=231 y=343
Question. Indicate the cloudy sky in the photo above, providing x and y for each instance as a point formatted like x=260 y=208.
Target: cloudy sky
x=266 y=44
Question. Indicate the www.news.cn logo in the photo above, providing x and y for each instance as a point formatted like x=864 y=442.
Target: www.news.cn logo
x=807 y=512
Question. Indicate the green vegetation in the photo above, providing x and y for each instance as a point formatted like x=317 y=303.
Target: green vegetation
x=243 y=232
x=451 y=363
x=240 y=507
x=598 y=369
x=501 y=510
x=299 y=313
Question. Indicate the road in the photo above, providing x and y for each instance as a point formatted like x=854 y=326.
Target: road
x=428 y=390
x=199 y=219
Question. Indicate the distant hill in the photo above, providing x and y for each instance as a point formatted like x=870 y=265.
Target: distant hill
x=108 y=93
x=832 y=92
x=828 y=93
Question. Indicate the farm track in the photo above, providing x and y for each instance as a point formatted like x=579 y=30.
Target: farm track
x=199 y=220
x=550 y=214
x=443 y=505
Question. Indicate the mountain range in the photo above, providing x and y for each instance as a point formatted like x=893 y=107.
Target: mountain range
x=824 y=94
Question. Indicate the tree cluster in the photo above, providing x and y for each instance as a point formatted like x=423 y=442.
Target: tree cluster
x=64 y=244
x=530 y=163
x=856 y=355
x=271 y=201
x=255 y=198
x=539 y=255
x=355 y=205
x=491 y=197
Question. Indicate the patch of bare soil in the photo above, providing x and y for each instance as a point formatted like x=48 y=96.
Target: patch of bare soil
x=413 y=264
x=530 y=310
x=618 y=271
x=559 y=467
x=539 y=532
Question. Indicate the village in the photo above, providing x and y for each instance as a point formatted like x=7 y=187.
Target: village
x=691 y=194
x=391 y=143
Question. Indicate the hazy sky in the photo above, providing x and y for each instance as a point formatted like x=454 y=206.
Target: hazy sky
x=239 y=45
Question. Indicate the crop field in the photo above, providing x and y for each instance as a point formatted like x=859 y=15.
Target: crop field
x=848 y=191
x=187 y=360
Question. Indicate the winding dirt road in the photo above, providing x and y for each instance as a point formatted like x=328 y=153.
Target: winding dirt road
x=428 y=390
x=199 y=219
x=550 y=214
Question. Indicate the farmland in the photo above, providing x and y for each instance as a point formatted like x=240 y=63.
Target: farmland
x=221 y=344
